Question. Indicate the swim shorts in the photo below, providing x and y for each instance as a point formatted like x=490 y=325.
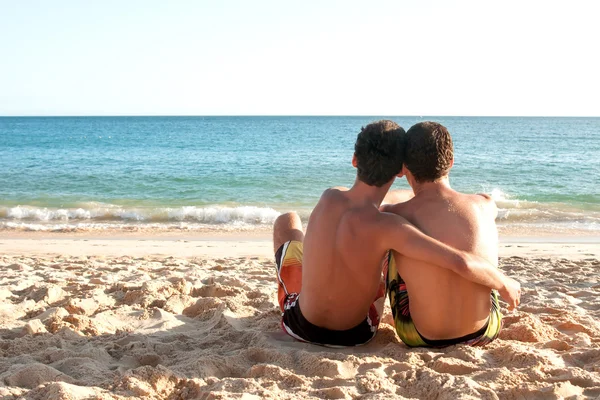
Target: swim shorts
x=399 y=303
x=288 y=259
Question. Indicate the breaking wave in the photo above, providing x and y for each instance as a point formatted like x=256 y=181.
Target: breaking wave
x=95 y=213
x=100 y=216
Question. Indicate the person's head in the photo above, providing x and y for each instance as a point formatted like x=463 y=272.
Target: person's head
x=378 y=152
x=428 y=152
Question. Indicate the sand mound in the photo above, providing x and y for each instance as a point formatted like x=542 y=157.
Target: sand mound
x=167 y=328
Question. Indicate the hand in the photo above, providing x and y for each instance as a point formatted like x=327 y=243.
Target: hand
x=511 y=293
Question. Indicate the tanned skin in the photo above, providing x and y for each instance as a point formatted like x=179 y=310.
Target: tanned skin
x=443 y=304
x=346 y=239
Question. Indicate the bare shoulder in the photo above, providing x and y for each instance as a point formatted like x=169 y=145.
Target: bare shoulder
x=334 y=192
x=485 y=202
x=333 y=195
x=483 y=199
x=402 y=209
x=331 y=201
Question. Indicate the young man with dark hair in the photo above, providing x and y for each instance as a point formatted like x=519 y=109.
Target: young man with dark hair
x=331 y=290
x=433 y=306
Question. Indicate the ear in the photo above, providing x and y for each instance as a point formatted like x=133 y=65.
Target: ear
x=354 y=161
x=451 y=163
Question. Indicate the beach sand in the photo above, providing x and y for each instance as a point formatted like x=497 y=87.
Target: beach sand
x=196 y=317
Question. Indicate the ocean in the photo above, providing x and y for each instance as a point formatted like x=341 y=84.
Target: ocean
x=239 y=173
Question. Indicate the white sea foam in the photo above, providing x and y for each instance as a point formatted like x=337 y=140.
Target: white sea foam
x=45 y=214
x=128 y=227
x=547 y=216
x=93 y=215
x=98 y=212
x=222 y=215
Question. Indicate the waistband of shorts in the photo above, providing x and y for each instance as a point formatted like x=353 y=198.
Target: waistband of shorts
x=462 y=339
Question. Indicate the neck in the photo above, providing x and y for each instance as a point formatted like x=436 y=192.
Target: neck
x=370 y=194
x=435 y=186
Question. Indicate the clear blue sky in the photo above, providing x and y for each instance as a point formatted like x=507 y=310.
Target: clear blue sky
x=311 y=57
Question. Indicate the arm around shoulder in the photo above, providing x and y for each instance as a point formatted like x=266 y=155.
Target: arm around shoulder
x=403 y=237
x=406 y=239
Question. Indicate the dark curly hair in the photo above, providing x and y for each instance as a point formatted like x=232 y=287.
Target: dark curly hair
x=429 y=151
x=379 y=152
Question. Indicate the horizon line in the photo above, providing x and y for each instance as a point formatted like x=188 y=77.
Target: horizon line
x=292 y=115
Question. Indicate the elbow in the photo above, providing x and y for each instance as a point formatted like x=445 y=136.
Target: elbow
x=460 y=265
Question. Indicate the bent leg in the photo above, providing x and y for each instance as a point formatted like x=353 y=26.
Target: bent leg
x=287 y=227
x=287 y=243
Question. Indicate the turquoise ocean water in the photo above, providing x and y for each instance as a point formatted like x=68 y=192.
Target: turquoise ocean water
x=86 y=173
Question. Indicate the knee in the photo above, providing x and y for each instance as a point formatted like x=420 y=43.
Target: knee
x=287 y=227
x=288 y=220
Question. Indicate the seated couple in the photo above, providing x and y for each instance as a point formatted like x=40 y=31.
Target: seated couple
x=435 y=254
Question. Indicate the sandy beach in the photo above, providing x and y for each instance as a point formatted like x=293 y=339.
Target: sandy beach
x=148 y=150
x=179 y=317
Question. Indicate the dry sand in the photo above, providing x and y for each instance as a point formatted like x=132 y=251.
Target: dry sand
x=185 y=318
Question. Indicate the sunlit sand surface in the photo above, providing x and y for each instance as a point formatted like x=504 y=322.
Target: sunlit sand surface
x=203 y=322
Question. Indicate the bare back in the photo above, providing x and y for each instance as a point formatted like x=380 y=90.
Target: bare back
x=444 y=305
x=342 y=261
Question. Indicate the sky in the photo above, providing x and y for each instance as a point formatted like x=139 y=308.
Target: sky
x=321 y=57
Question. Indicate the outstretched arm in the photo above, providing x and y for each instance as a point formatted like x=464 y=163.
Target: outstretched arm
x=411 y=242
